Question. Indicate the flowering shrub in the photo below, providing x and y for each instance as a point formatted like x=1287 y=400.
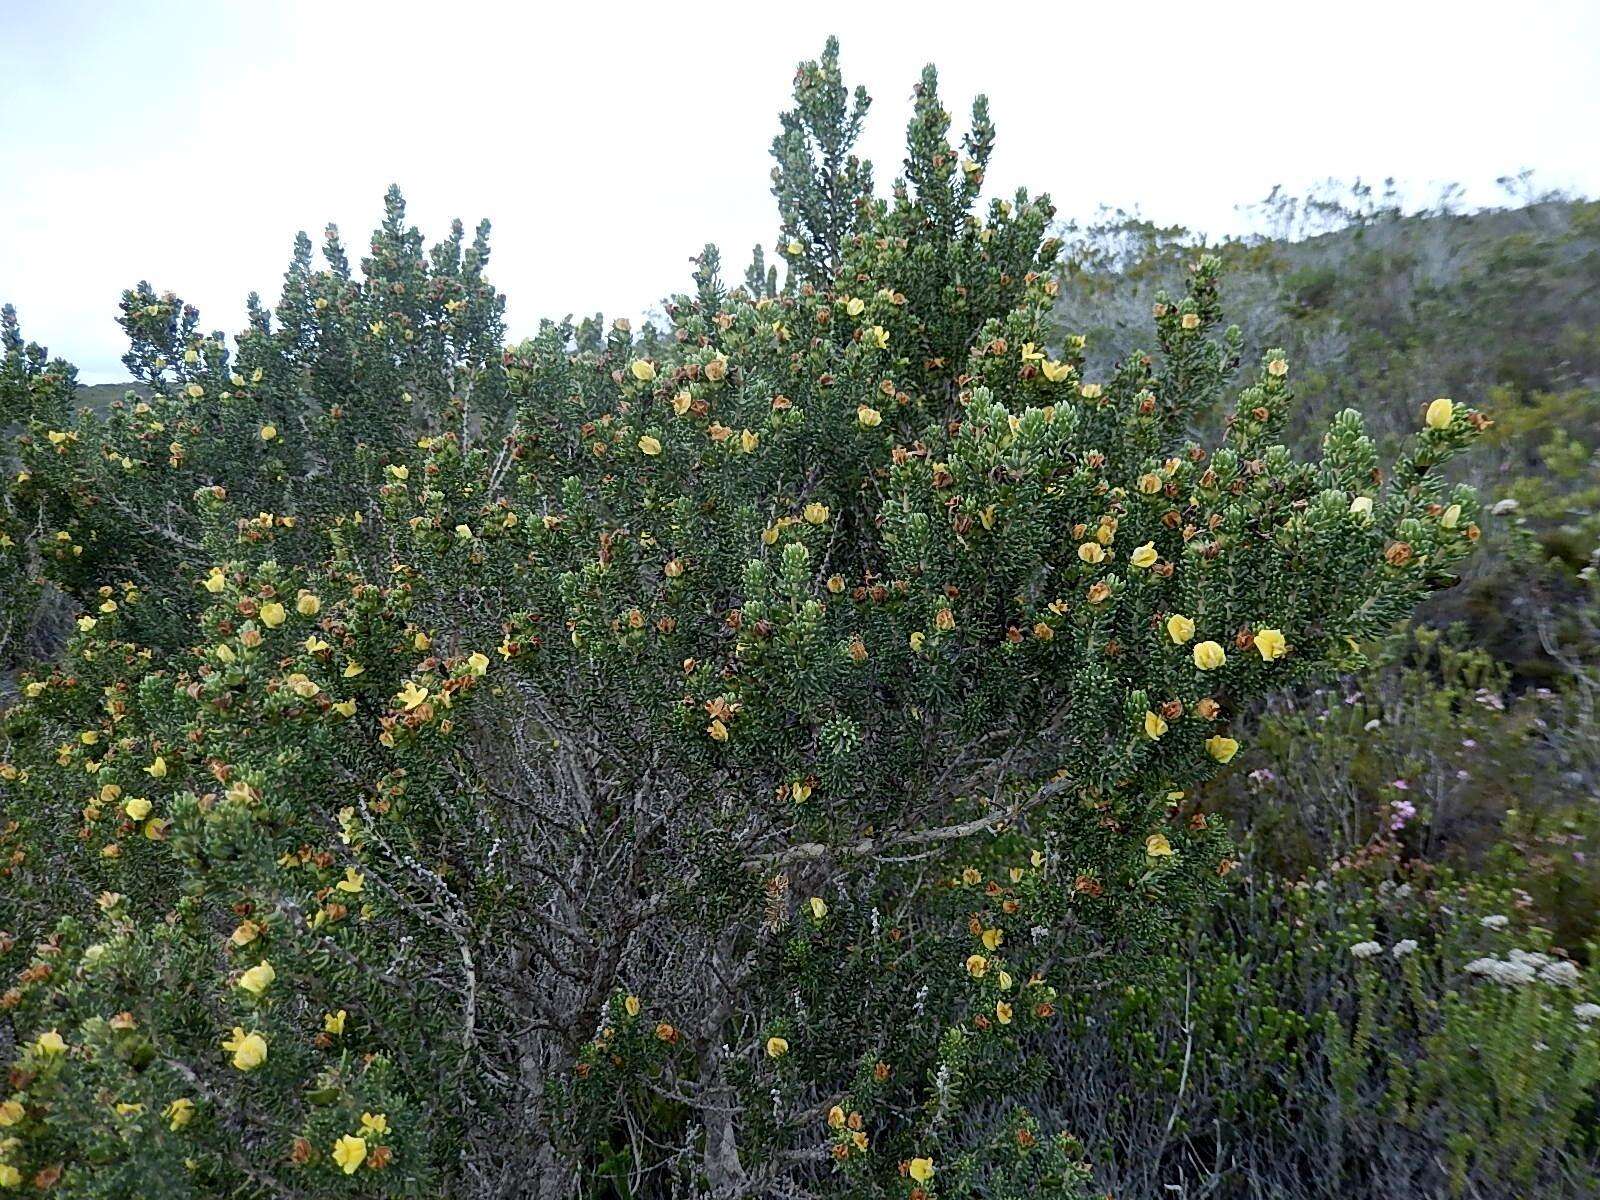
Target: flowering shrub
x=705 y=758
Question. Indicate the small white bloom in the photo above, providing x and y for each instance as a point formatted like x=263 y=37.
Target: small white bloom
x=1403 y=947
x=1366 y=949
x=1560 y=973
x=1505 y=507
x=1586 y=1012
x=1495 y=921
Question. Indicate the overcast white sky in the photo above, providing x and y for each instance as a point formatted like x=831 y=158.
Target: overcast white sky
x=186 y=142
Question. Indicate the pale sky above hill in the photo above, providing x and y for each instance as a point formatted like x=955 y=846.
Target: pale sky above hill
x=185 y=142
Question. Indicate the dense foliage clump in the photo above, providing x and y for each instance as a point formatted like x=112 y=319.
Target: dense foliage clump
x=708 y=758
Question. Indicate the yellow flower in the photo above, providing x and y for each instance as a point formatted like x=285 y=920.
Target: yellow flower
x=411 y=695
x=1271 y=644
x=272 y=614
x=1154 y=726
x=879 y=337
x=717 y=730
x=11 y=1111
x=376 y=1124
x=158 y=768
x=1179 y=628
x=1191 y=321
x=868 y=417
x=258 y=978
x=244 y=933
x=1092 y=552
x=1451 y=517
x=1055 y=371
x=749 y=440
x=819 y=907
x=918 y=640
x=179 y=1113
x=1208 y=656
x=249 y=1049
x=631 y=1006
x=353 y=669
x=352 y=882
x=1157 y=846
x=1361 y=506
x=345 y=708
x=777 y=1047
x=349 y=1152
x=836 y=1117
x=1144 y=556
x=477 y=662
x=1440 y=413
x=464 y=532
x=307 y=604
x=649 y=446
x=643 y=370
x=794 y=248
x=268 y=432
x=977 y=964
x=855 y=306
x=992 y=939
x=333 y=1022
x=1278 y=368
x=137 y=808
x=920 y=1169
x=815 y=513
x=10 y=1177
x=1002 y=1012
x=860 y=1140
x=1221 y=748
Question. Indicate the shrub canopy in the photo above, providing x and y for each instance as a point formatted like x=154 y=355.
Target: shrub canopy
x=702 y=755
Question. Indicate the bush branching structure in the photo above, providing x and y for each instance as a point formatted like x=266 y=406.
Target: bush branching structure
x=697 y=760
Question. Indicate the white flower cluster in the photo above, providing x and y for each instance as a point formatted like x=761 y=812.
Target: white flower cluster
x=1525 y=966
x=1366 y=949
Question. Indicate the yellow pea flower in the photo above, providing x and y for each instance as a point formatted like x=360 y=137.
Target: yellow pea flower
x=268 y=432
x=879 y=337
x=11 y=1111
x=178 y=1113
x=1144 y=556
x=1002 y=1012
x=307 y=604
x=1221 y=748
x=411 y=695
x=137 y=808
x=1055 y=371
x=353 y=669
x=649 y=446
x=1154 y=726
x=855 y=306
x=477 y=662
x=333 y=1022
x=1208 y=656
x=631 y=1006
x=1179 y=628
x=868 y=417
x=749 y=440
x=258 y=978
x=777 y=1047
x=1451 y=517
x=352 y=882
x=992 y=939
x=1092 y=552
x=1271 y=644
x=643 y=370
x=819 y=907
x=349 y=1152
x=158 y=768
x=1157 y=846
x=918 y=639
x=249 y=1049
x=1440 y=413
x=920 y=1169
x=273 y=614
x=376 y=1124
x=977 y=965
x=836 y=1117
x=816 y=514
x=10 y=1177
